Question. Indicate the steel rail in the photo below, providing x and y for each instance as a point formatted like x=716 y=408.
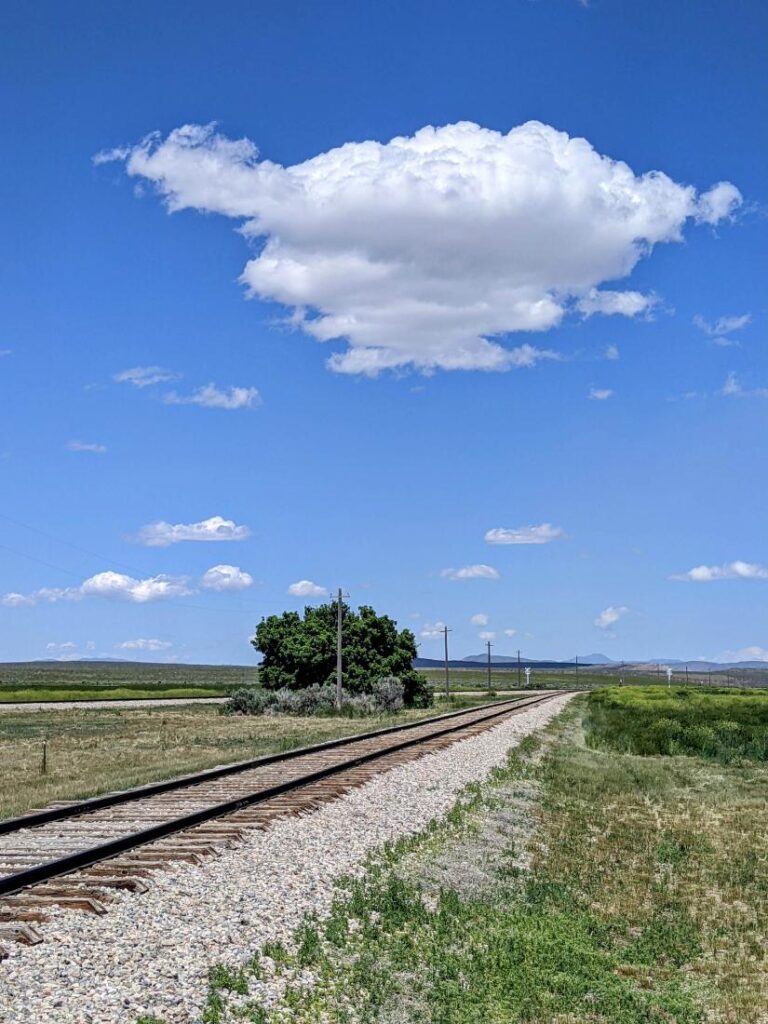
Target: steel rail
x=96 y=803
x=10 y=884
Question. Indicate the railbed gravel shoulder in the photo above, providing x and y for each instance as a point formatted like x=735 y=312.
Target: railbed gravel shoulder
x=150 y=954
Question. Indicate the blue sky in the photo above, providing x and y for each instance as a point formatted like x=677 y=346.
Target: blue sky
x=346 y=366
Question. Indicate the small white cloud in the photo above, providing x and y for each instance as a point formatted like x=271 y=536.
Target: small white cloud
x=616 y=303
x=145 y=376
x=118 y=585
x=510 y=632
x=612 y=352
x=610 y=616
x=487 y=634
x=45 y=594
x=162 y=534
x=733 y=389
x=144 y=645
x=106 y=584
x=226 y=577
x=108 y=156
x=481 y=619
x=83 y=446
x=306 y=588
x=212 y=397
x=432 y=631
x=542 y=534
x=600 y=394
x=719 y=203
x=723 y=325
x=471 y=572
x=737 y=570
x=15 y=600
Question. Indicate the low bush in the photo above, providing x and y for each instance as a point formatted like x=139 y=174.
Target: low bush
x=719 y=724
x=386 y=696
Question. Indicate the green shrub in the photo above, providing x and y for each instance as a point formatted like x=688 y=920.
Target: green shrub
x=386 y=696
x=719 y=724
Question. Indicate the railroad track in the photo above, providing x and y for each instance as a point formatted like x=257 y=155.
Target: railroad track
x=77 y=854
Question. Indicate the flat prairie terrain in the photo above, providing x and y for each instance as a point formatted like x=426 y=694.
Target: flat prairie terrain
x=100 y=680
x=97 y=751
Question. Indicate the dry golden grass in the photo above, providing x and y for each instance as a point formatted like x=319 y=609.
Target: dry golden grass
x=97 y=751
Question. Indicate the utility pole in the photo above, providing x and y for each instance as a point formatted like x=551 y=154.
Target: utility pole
x=339 y=617
x=518 y=670
x=488 y=644
x=577 y=670
x=446 y=631
x=686 y=674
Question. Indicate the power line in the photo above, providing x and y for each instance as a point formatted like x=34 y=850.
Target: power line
x=446 y=631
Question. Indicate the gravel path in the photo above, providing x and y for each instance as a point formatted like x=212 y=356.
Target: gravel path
x=151 y=953
x=79 y=705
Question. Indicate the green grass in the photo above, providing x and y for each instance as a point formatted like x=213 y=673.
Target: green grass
x=77 y=680
x=714 y=723
x=41 y=694
x=614 y=889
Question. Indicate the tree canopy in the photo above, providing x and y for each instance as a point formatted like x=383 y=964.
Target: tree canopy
x=300 y=651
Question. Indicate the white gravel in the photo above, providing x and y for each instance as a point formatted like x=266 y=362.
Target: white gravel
x=151 y=953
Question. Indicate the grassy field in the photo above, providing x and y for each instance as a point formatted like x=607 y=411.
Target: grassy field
x=506 y=679
x=724 y=725
x=578 y=885
x=103 y=680
x=57 y=680
x=96 y=751
x=584 y=679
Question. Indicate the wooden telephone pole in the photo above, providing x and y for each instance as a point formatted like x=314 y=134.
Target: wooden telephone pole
x=489 y=645
x=339 y=617
x=446 y=631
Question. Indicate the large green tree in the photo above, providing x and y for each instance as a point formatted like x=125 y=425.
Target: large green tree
x=300 y=651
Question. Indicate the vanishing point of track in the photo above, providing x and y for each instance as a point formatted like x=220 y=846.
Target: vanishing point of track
x=76 y=854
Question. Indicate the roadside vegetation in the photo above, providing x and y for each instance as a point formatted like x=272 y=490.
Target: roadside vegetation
x=721 y=724
x=92 y=751
x=385 y=696
x=577 y=884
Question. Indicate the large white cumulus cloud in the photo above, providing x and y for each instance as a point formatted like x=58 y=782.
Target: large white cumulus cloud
x=428 y=249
